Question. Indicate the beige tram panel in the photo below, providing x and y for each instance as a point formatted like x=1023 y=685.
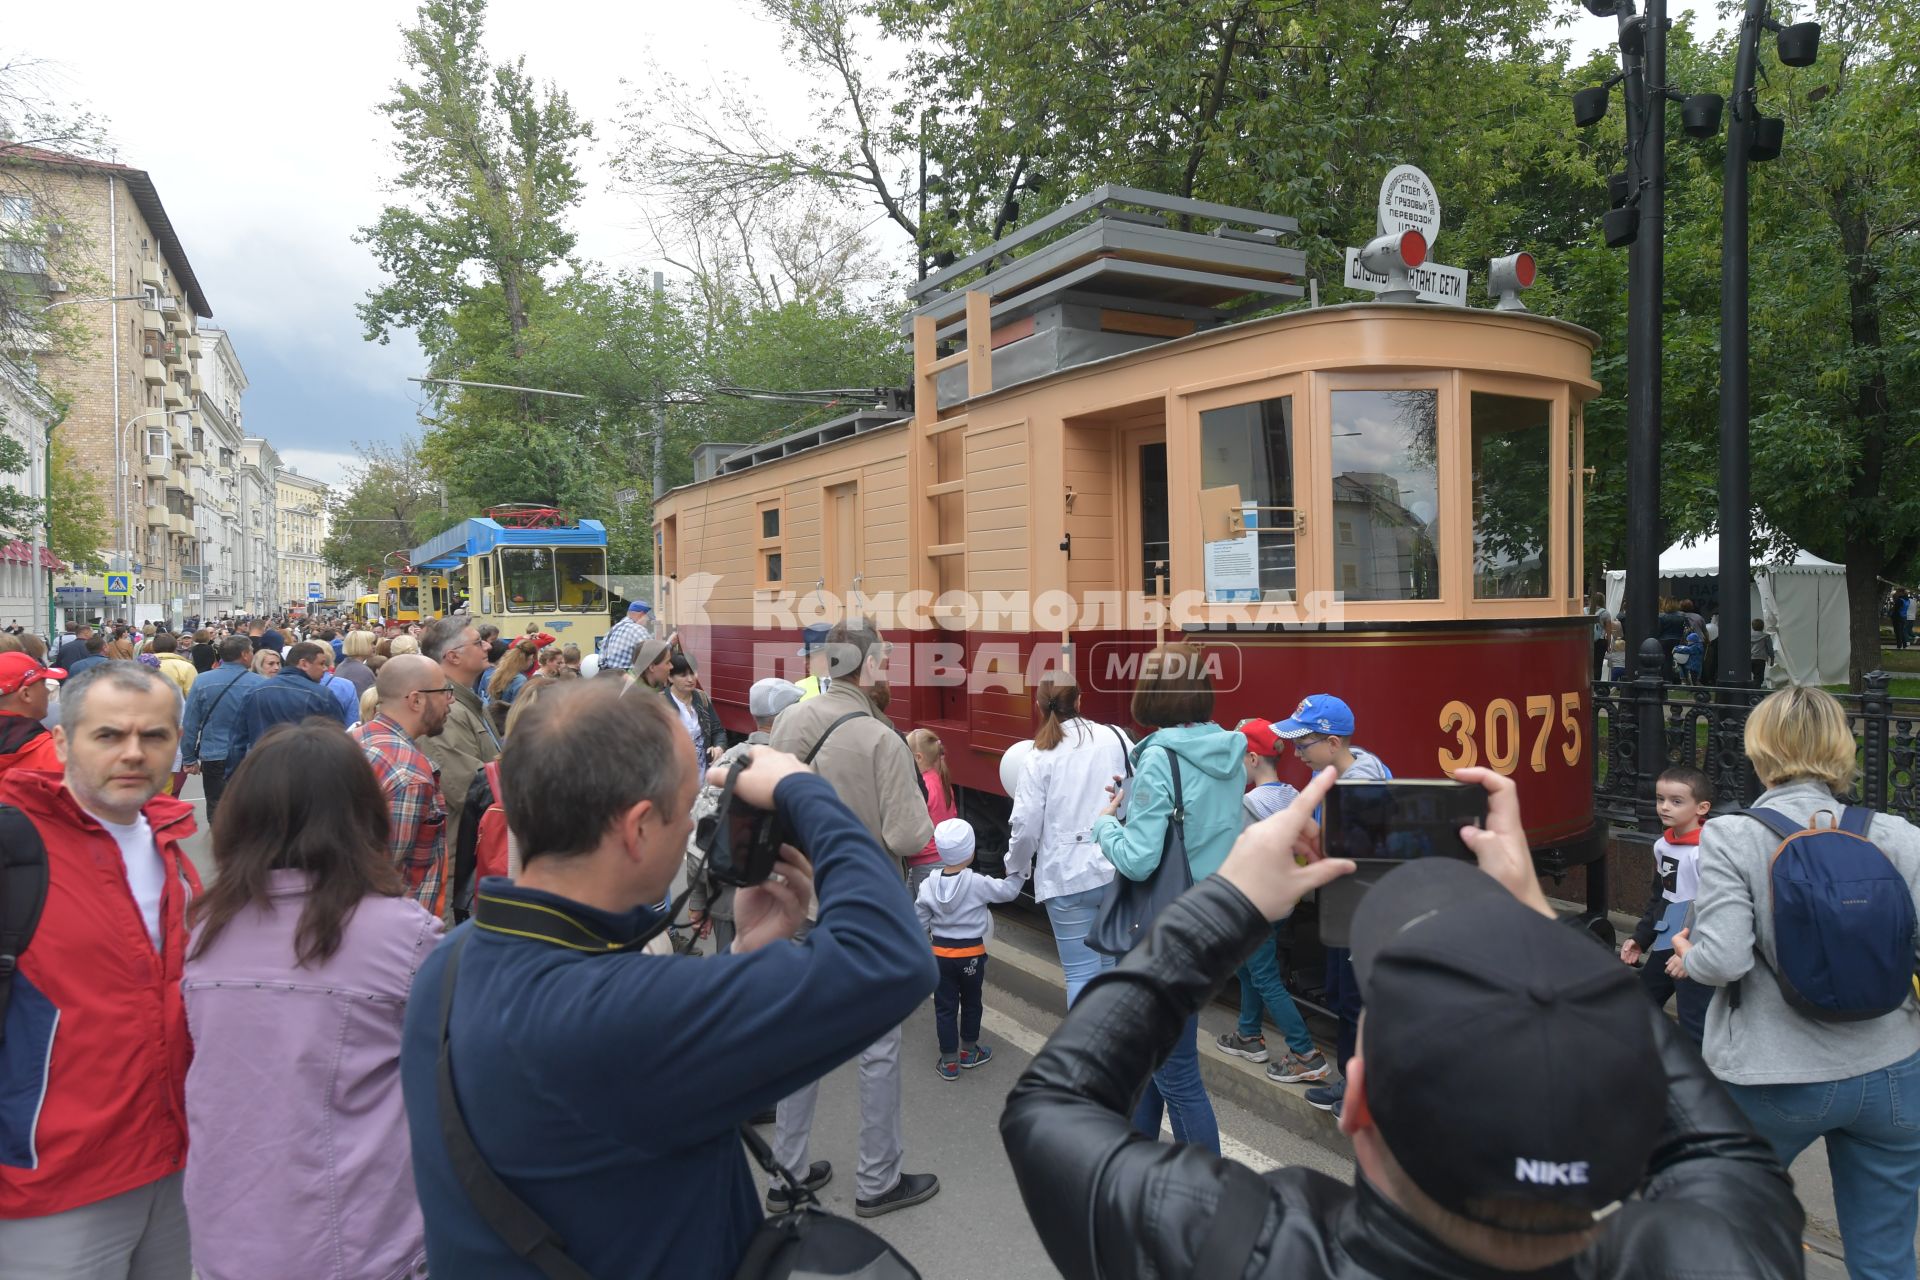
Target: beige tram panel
x=1001 y=477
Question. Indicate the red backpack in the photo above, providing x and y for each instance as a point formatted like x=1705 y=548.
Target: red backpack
x=490 y=842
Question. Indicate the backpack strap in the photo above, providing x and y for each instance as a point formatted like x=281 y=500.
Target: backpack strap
x=1773 y=820
x=1854 y=820
x=1179 y=802
x=23 y=892
x=821 y=741
x=1126 y=757
x=512 y=1219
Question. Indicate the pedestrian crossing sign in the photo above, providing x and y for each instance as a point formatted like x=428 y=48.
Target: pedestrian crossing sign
x=118 y=585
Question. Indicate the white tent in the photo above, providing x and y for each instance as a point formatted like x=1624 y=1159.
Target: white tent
x=1803 y=600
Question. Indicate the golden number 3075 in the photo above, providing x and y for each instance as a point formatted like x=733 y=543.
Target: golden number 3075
x=1501 y=733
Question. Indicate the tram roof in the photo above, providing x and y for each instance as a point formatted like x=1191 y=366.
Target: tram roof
x=450 y=548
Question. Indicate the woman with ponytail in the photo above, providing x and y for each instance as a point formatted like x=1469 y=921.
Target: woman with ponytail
x=1061 y=791
x=930 y=754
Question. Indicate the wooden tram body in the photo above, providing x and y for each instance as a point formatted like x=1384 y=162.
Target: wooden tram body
x=1381 y=501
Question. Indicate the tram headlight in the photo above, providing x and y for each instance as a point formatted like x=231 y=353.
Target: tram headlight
x=1396 y=250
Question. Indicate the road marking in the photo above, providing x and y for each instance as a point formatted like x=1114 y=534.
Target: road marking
x=1030 y=1042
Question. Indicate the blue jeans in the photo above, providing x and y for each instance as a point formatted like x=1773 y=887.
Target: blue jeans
x=1072 y=916
x=1343 y=1000
x=1177 y=1085
x=1872 y=1126
x=1260 y=981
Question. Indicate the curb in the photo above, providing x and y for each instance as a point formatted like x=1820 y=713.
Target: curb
x=1025 y=967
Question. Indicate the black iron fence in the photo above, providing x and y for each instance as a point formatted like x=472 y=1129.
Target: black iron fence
x=1705 y=726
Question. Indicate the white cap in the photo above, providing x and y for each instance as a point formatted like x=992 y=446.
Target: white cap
x=954 y=839
x=769 y=697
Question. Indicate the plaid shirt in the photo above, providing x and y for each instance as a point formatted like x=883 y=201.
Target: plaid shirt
x=616 y=654
x=418 y=837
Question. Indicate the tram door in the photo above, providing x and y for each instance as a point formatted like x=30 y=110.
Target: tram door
x=1149 y=545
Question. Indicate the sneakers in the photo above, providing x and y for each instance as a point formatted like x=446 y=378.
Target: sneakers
x=978 y=1056
x=819 y=1174
x=949 y=1068
x=1253 y=1049
x=1294 y=1069
x=1328 y=1097
x=912 y=1189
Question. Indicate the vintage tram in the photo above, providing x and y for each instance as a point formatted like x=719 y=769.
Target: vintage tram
x=1378 y=500
x=524 y=564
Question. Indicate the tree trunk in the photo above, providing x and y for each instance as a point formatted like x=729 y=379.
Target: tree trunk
x=1863 y=610
x=1867 y=531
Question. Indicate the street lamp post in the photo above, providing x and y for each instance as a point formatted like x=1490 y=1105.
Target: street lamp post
x=1750 y=137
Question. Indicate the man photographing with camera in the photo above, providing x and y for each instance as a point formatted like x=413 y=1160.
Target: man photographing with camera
x=602 y=1088
x=1507 y=1091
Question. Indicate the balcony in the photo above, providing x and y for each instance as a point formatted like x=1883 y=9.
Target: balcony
x=197 y=460
x=182 y=525
x=177 y=439
x=156 y=468
x=174 y=396
x=152 y=321
x=156 y=517
x=154 y=372
x=195 y=386
x=193 y=347
x=150 y=274
x=177 y=356
x=176 y=479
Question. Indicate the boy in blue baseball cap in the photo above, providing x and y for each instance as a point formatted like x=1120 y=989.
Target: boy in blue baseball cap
x=1321 y=731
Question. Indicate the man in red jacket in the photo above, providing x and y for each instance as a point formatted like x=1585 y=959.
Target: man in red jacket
x=93 y=1133
x=25 y=743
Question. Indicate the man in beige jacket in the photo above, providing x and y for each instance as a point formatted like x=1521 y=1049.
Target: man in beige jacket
x=465 y=744
x=846 y=735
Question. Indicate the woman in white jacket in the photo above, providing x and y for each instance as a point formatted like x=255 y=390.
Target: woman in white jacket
x=1060 y=793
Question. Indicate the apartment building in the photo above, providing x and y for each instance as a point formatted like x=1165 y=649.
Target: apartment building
x=136 y=387
x=256 y=495
x=301 y=502
x=217 y=513
x=25 y=412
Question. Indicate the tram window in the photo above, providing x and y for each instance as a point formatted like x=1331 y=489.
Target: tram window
x=770 y=522
x=1512 y=445
x=1155 y=542
x=410 y=599
x=1251 y=446
x=583 y=571
x=526 y=574
x=1386 y=480
x=771 y=571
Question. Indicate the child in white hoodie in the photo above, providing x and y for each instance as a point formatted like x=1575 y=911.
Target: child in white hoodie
x=953 y=908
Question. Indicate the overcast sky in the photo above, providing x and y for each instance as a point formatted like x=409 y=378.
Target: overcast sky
x=257 y=123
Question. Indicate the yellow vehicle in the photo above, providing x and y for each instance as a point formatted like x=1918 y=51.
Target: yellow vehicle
x=367 y=609
x=525 y=564
x=400 y=597
x=439 y=600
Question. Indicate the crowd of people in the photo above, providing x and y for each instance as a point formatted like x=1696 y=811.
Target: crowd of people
x=431 y=1015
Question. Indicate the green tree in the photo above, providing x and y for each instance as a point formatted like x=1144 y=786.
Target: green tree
x=19 y=513
x=389 y=503
x=77 y=526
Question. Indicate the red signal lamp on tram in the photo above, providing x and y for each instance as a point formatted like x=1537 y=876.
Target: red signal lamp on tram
x=1392 y=255
x=1507 y=277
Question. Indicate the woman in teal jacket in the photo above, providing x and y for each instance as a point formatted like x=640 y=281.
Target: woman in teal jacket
x=1175 y=699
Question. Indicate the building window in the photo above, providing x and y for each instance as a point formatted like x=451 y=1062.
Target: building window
x=156 y=442
x=1386 y=482
x=1511 y=450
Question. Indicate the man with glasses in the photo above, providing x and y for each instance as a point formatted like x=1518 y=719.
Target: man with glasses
x=415 y=697
x=466 y=743
x=1321 y=731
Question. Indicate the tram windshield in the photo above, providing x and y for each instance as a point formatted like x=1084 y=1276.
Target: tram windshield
x=1386 y=493
x=553 y=579
x=1249 y=447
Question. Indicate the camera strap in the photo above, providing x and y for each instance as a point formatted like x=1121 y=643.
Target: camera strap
x=550 y=924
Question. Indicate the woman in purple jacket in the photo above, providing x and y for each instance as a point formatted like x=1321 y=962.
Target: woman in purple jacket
x=296 y=985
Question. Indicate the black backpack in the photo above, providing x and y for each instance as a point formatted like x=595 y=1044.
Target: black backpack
x=23 y=892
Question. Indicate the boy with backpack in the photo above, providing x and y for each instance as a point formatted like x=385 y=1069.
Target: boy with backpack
x=1259 y=978
x=1683 y=797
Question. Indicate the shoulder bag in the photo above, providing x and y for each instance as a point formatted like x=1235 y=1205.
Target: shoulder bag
x=1129 y=908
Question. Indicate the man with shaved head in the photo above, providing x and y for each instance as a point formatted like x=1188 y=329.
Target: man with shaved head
x=415 y=695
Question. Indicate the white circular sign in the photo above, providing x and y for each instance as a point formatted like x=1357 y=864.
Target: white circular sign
x=1408 y=202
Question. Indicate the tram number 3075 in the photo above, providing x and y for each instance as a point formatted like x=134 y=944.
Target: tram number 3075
x=1500 y=734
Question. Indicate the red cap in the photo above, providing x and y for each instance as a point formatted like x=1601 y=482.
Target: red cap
x=17 y=668
x=1261 y=739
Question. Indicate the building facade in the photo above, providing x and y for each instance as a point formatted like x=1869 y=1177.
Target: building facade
x=136 y=386
x=258 y=589
x=26 y=415
x=217 y=501
x=301 y=504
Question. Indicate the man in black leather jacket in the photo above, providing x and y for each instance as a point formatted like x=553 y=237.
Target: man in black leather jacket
x=1497 y=1178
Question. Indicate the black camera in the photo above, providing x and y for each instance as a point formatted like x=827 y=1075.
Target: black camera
x=741 y=842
